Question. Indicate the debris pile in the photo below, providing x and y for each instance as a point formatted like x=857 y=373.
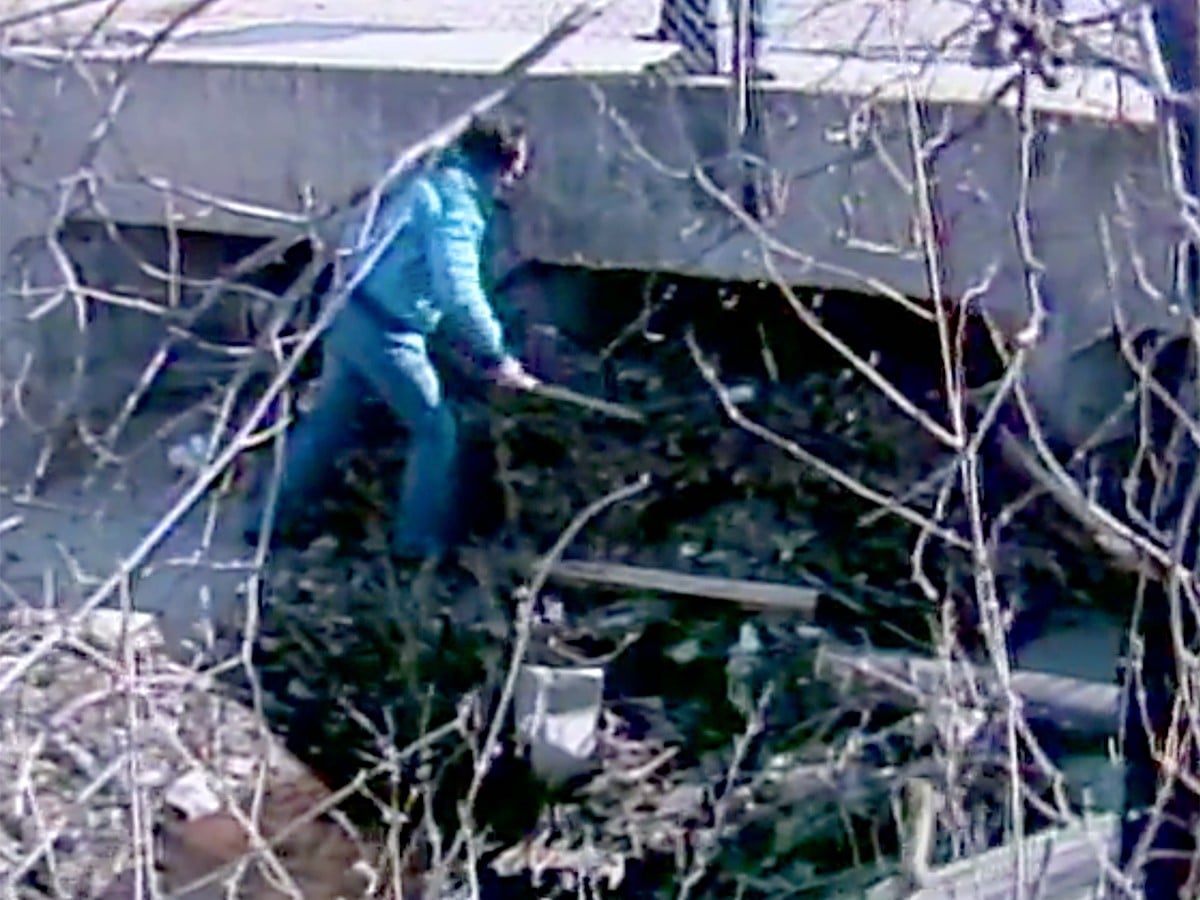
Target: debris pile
x=728 y=681
x=106 y=737
x=726 y=750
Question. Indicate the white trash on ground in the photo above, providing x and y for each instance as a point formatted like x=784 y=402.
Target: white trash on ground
x=192 y=795
x=558 y=714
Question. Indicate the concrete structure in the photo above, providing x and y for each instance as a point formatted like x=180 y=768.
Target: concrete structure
x=239 y=125
x=261 y=115
x=236 y=130
x=232 y=129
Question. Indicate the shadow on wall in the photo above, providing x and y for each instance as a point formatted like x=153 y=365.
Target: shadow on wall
x=106 y=323
x=752 y=327
x=140 y=314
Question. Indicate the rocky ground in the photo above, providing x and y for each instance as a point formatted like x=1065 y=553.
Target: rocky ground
x=106 y=739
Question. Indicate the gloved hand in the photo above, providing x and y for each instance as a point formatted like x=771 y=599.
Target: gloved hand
x=512 y=375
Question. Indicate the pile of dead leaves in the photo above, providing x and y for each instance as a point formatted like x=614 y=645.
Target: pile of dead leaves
x=720 y=753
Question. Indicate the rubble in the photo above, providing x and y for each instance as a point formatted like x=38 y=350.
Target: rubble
x=719 y=733
x=100 y=739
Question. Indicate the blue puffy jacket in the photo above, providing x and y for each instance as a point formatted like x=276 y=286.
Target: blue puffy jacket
x=420 y=261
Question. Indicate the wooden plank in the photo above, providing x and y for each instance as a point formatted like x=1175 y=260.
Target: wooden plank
x=1088 y=709
x=760 y=594
x=1063 y=863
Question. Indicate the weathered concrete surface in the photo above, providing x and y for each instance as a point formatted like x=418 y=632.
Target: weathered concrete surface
x=267 y=124
x=620 y=18
x=59 y=547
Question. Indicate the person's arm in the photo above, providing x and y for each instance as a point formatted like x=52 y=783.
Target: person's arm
x=454 y=238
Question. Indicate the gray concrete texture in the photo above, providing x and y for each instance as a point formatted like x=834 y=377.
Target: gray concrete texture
x=329 y=111
x=265 y=115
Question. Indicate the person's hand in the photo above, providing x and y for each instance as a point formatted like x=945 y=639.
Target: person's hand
x=512 y=375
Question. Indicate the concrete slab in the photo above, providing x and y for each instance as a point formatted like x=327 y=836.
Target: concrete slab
x=620 y=18
x=859 y=48
x=862 y=27
x=917 y=33
x=59 y=547
x=461 y=52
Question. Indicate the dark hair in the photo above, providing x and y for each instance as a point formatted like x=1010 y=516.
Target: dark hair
x=492 y=144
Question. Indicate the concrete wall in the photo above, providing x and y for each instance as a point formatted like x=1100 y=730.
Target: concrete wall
x=86 y=319
x=613 y=185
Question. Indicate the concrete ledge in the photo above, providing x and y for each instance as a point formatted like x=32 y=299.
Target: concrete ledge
x=428 y=51
x=634 y=171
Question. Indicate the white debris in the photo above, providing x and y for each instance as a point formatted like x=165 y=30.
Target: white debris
x=192 y=795
x=104 y=627
x=558 y=713
x=741 y=393
x=686 y=651
x=189 y=454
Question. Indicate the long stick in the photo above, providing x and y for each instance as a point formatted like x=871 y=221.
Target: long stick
x=761 y=594
x=584 y=401
x=1086 y=709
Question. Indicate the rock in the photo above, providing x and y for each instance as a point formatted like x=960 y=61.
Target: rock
x=558 y=713
x=102 y=627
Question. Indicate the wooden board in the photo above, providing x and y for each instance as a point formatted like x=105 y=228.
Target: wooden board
x=1060 y=863
x=760 y=594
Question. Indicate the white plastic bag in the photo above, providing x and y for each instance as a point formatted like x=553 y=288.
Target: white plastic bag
x=558 y=713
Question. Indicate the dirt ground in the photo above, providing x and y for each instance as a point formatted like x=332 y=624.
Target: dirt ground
x=90 y=716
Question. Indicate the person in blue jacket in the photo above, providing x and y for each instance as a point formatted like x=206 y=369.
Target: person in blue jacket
x=413 y=263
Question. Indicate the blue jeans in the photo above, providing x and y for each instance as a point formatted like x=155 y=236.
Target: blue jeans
x=359 y=363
